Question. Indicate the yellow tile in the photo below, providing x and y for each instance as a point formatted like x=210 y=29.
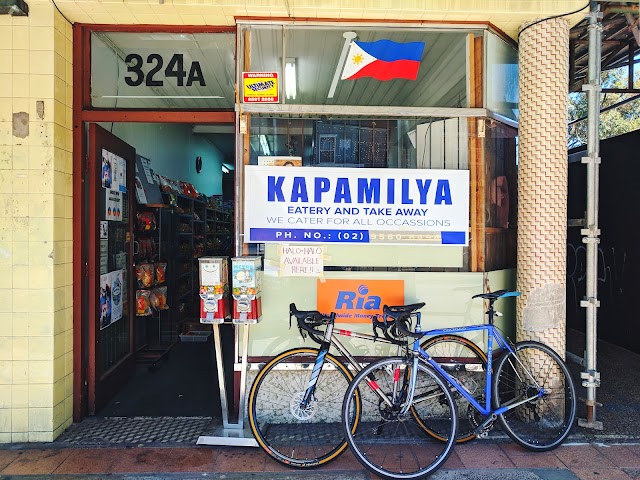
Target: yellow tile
x=6 y=281
x=5 y=437
x=19 y=437
x=21 y=61
x=6 y=372
x=6 y=183
x=41 y=38
x=20 y=348
x=41 y=437
x=20 y=396
x=6 y=324
x=19 y=419
x=59 y=391
x=20 y=324
x=68 y=363
x=41 y=15
x=59 y=275
x=6 y=234
x=59 y=415
x=58 y=322
x=41 y=158
x=41 y=324
x=5 y=157
x=5 y=132
x=6 y=300
x=40 y=229
x=59 y=345
x=41 y=419
x=21 y=300
x=6 y=348
x=42 y=134
x=20 y=181
x=41 y=62
x=6 y=37
x=58 y=368
x=41 y=86
x=59 y=23
x=45 y=300
x=68 y=326
x=5 y=420
x=59 y=88
x=58 y=205
x=68 y=208
x=5 y=103
x=69 y=96
x=68 y=337
x=20 y=204
x=40 y=348
x=68 y=386
x=20 y=372
x=20 y=235
x=68 y=290
x=40 y=205
x=5 y=396
x=6 y=248
x=20 y=157
x=21 y=37
x=58 y=298
x=20 y=85
x=41 y=371
x=60 y=111
x=6 y=61
x=40 y=395
x=20 y=276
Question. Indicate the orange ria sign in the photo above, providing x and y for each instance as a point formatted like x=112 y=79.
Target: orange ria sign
x=354 y=301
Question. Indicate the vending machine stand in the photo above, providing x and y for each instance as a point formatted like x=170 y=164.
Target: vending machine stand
x=230 y=434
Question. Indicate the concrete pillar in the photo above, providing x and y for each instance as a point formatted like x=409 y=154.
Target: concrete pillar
x=542 y=183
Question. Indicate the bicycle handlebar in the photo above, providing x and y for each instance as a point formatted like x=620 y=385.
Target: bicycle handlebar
x=308 y=319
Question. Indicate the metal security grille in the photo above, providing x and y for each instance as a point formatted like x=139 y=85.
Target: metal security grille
x=124 y=431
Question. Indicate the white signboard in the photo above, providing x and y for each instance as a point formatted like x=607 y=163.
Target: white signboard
x=352 y=205
x=301 y=261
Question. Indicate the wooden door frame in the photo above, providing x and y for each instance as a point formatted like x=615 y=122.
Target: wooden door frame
x=83 y=114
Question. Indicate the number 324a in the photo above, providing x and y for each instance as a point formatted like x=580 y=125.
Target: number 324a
x=175 y=68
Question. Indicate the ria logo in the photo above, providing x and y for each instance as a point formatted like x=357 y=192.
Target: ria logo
x=350 y=300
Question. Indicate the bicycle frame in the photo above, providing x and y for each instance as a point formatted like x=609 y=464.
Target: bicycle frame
x=492 y=334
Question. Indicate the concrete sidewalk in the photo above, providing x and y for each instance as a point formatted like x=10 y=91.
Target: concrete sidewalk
x=480 y=459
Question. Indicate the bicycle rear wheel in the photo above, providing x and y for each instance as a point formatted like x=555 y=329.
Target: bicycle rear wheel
x=387 y=442
x=543 y=422
x=467 y=363
x=293 y=434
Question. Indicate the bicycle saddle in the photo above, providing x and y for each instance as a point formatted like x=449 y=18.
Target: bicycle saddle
x=498 y=294
x=396 y=310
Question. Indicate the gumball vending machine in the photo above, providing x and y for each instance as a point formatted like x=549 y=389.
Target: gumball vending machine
x=246 y=278
x=214 y=289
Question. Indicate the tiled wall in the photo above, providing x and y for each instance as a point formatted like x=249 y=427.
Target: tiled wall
x=36 y=341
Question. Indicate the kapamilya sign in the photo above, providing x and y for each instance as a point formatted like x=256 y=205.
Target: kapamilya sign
x=355 y=301
x=353 y=205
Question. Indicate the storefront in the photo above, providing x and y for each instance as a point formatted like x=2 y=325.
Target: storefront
x=389 y=151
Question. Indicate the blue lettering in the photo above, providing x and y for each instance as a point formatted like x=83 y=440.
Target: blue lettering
x=322 y=185
x=372 y=303
x=423 y=188
x=343 y=193
x=405 y=191
x=299 y=190
x=443 y=193
x=368 y=191
x=274 y=189
x=345 y=300
x=390 y=190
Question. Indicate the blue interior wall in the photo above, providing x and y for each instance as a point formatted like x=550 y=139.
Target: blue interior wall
x=172 y=149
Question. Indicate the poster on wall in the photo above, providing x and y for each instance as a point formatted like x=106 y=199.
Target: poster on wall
x=352 y=205
x=114 y=172
x=113 y=206
x=302 y=260
x=111 y=298
x=355 y=301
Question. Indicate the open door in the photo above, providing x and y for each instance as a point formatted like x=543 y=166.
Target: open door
x=110 y=301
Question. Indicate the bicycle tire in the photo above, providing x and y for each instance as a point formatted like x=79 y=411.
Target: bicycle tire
x=467 y=363
x=543 y=423
x=295 y=437
x=388 y=443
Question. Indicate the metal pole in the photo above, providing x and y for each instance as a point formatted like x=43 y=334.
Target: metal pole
x=590 y=376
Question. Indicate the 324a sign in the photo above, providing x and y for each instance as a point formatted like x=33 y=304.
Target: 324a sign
x=154 y=75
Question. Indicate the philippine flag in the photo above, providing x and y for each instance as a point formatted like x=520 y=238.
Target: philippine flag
x=383 y=60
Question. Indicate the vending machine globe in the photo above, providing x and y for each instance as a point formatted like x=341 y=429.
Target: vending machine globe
x=246 y=278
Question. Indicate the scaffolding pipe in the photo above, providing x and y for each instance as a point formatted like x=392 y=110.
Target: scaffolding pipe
x=590 y=376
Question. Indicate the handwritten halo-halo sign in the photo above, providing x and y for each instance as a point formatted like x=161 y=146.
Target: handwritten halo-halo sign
x=352 y=205
x=260 y=87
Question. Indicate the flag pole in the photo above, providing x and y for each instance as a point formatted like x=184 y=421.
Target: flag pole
x=348 y=37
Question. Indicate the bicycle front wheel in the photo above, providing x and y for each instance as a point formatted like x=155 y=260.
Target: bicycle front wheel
x=537 y=373
x=293 y=433
x=467 y=363
x=388 y=441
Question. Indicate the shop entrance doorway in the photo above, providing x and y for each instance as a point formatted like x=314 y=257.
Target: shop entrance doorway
x=157 y=198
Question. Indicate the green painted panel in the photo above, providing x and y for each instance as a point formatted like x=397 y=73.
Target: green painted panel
x=381 y=256
x=447 y=295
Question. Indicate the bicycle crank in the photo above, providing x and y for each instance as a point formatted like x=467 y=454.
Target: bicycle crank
x=485 y=427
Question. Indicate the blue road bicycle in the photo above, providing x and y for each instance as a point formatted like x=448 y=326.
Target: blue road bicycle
x=529 y=391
